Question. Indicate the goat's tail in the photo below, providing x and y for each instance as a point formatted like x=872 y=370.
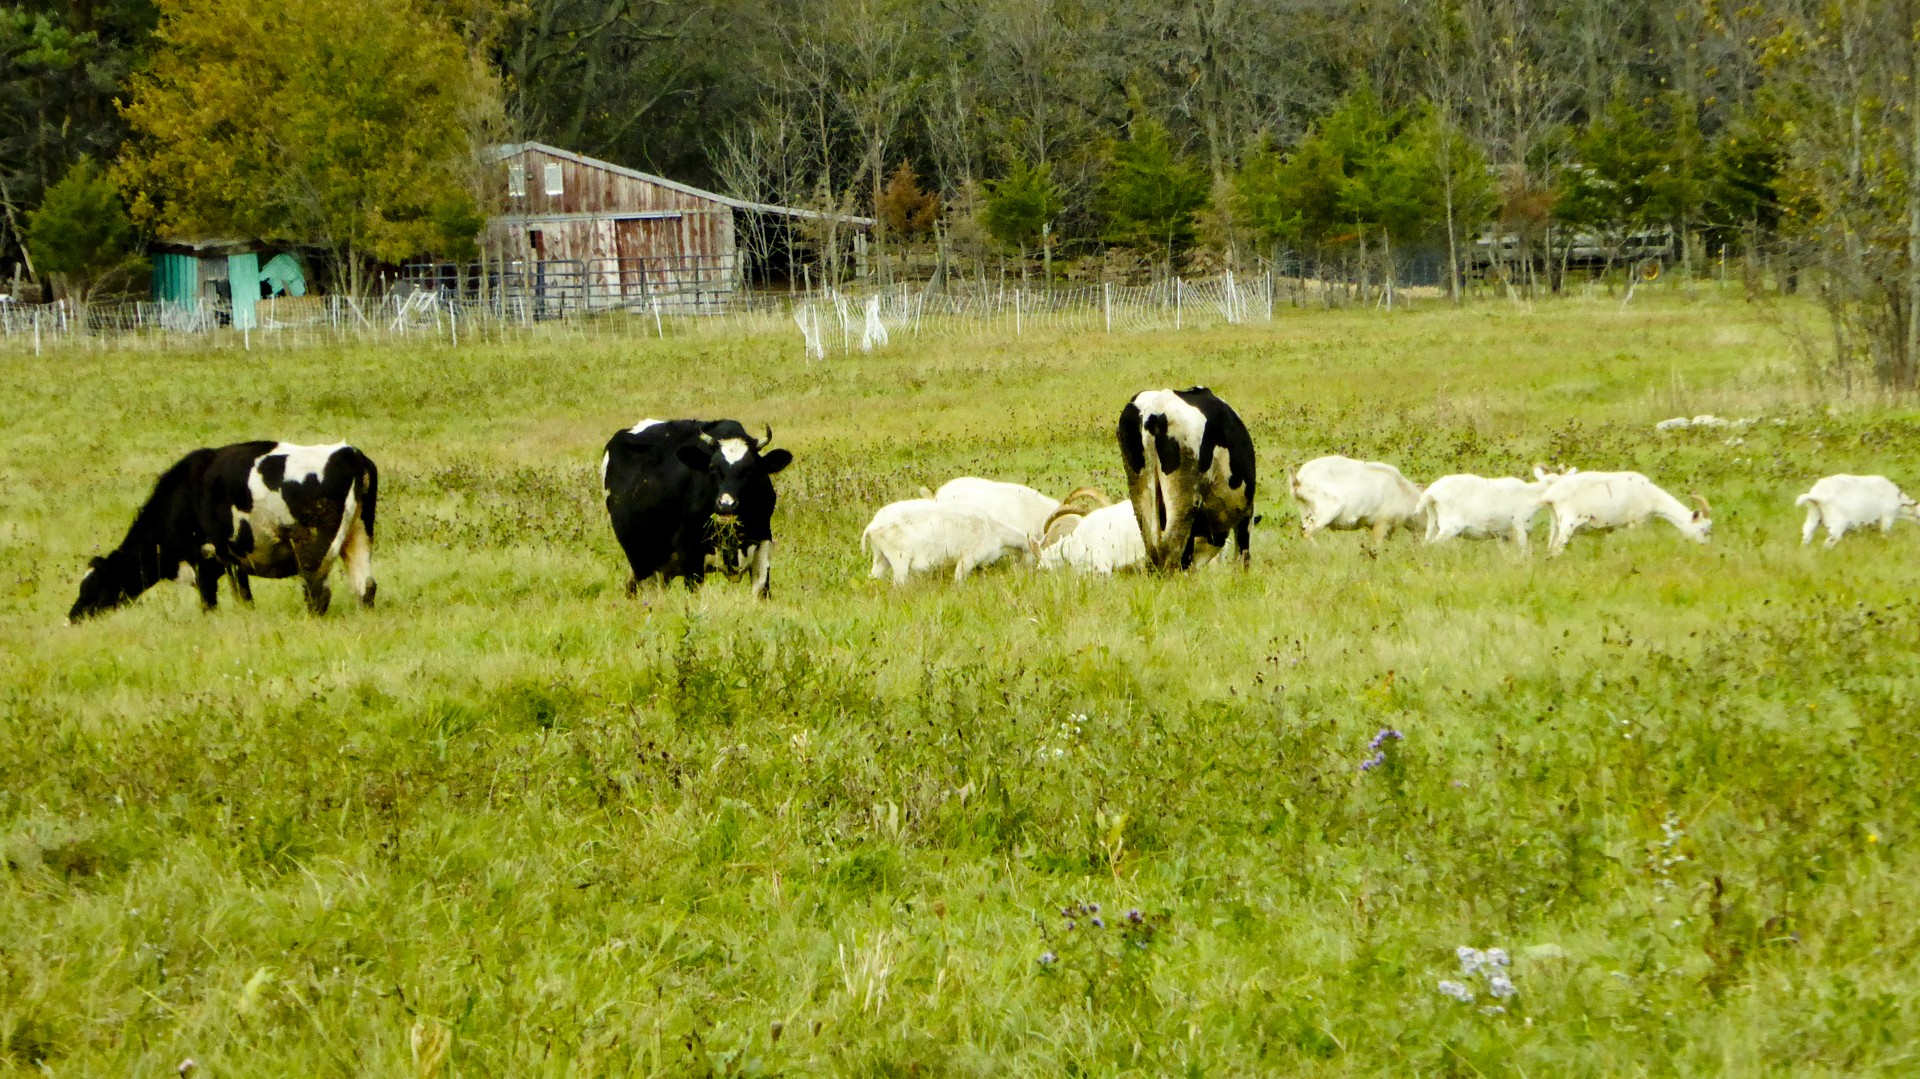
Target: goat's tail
x=1804 y=499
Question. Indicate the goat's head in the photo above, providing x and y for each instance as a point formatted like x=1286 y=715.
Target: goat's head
x=1702 y=520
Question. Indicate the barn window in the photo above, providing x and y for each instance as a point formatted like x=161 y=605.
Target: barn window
x=516 y=180
x=554 y=186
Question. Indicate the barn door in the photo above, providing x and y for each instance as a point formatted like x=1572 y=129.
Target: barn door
x=630 y=245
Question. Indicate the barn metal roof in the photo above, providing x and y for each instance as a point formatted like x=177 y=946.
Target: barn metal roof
x=506 y=150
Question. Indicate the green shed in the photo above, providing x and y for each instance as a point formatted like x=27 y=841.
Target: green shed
x=196 y=275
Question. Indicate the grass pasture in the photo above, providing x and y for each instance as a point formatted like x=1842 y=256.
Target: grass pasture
x=511 y=822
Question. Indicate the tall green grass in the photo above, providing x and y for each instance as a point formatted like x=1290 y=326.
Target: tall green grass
x=511 y=822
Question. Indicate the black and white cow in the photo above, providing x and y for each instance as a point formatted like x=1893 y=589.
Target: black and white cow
x=254 y=509
x=681 y=492
x=1190 y=474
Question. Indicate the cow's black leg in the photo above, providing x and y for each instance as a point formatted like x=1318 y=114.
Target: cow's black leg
x=310 y=554
x=206 y=577
x=1241 y=532
x=242 y=585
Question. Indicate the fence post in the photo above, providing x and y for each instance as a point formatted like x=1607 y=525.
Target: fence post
x=1107 y=302
x=658 y=330
x=1016 y=310
x=1179 y=301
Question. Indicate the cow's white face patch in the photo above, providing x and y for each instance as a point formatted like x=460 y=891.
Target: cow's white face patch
x=732 y=450
x=642 y=425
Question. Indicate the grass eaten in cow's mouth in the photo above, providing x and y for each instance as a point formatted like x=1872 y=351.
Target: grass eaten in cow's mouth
x=1225 y=823
x=724 y=530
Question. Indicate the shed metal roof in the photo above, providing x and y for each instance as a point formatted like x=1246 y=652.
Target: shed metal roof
x=506 y=150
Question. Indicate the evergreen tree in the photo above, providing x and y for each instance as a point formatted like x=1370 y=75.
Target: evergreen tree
x=1020 y=206
x=1151 y=191
x=81 y=233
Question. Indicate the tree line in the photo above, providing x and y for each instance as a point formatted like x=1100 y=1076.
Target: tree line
x=1072 y=136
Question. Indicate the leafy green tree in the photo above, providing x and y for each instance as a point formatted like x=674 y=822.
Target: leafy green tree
x=1019 y=207
x=1368 y=173
x=1743 y=180
x=345 y=124
x=1291 y=201
x=60 y=66
x=1151 y=190
x=81 y=233
x=1639 y=167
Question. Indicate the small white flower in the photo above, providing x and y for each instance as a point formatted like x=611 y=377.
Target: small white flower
x=1494 y=957
x=1457 y=991
x=1471 y=959
x=1500 y=986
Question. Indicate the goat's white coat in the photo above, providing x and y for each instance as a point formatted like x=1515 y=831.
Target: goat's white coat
x=1342 y=494
x=1843 y=503
x=1476 y=507
x=1015 y=505
x=1105 y=540
x=921 y=534
x=1604 y=501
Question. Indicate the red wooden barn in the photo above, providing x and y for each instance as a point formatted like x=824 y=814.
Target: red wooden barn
x=589 y=232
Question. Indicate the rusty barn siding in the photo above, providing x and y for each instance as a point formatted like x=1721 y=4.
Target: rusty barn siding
x=674 y=242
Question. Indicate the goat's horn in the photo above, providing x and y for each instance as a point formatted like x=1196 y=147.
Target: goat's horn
x=1705 y=509
x=1063 y=511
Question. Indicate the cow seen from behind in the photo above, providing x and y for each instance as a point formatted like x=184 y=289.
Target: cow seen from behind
x=1190 y=475
x=686 y=493
x=252 y=509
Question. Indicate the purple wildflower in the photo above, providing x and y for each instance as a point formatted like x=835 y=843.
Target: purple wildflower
x=1381 y=739
x=1373 y=762
x=1048 y=959
x=1097 y=923
x=1134 y=916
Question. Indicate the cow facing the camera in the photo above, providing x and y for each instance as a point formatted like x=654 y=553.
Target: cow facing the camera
x=682 y=493
x=1189 y=465
x=253 y=509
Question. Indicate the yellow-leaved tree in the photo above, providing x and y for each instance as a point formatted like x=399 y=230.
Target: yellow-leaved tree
x=348 y=125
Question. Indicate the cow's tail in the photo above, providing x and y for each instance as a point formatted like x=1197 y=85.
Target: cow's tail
x=363 y=492
x=369 y=494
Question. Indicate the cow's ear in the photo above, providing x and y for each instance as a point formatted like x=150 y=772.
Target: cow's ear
x=96 y=562
x=774 y=460
x=695 y=457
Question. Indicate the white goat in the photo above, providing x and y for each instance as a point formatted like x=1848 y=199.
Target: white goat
x=1475 y=507
x=1106 y=540
x=1844 y=503
x=1342 y=494
x=1604 y=501
x=921 y=534
x=1015 y=505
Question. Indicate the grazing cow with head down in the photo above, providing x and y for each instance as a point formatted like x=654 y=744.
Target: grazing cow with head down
x=681 y=492
x=1190 y=475
x=254 y=509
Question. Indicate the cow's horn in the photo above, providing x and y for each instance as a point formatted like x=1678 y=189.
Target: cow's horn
x=1705 y=510
x=767 y=441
